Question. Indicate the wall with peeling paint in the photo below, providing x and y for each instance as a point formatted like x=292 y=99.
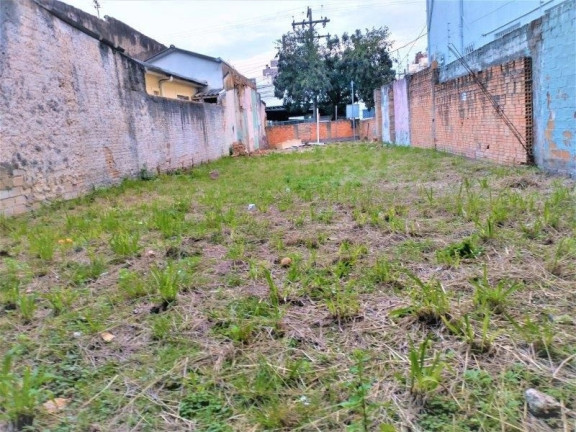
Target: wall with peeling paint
x=547 y=47
x=401 y=112
x=74 y=114
x=555 y=84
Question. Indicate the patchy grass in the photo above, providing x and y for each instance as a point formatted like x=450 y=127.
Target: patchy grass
x=422 y=291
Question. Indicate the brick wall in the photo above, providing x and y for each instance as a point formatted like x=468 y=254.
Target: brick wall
x=420 y=94
x=74 y=114
x=463 y=118
x=329 y=131
x=368 y=130
x=135 y=44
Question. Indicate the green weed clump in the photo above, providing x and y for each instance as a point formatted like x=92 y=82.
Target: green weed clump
x=21 y=394
x=125 y=244
x=425 y=375
x=466 y=249
x=168 y=281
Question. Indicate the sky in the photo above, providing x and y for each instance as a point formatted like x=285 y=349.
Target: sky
x=244 y=32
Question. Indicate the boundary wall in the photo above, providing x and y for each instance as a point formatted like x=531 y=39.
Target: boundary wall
x=75 y=115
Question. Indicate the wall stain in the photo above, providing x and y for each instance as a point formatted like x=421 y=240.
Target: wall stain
x=111 y=163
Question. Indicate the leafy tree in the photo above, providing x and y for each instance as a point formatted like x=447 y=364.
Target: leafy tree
x=310 y=71
x=302 y=75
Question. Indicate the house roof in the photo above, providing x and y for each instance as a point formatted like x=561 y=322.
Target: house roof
x=208 y=93
x=154 y=68
x=175 y=49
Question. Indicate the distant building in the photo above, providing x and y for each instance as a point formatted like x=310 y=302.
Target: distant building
x=420 y=63
x=467 y=25
x=161 y=82
x=275 y=110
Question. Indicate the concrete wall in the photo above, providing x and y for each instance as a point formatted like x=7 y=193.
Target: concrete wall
x=470 y=24
x=245 y=118
x=401 y=112
x=383 y=115
x=555 y=91
x=74 y=114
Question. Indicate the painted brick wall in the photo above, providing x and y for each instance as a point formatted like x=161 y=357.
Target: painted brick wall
x=464 y=119
x=401 y=112
x=555 y=91
x=74 y=114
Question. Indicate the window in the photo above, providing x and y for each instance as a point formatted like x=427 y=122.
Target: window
x=182 y=97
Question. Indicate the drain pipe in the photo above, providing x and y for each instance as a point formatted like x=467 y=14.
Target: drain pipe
x=162 y=81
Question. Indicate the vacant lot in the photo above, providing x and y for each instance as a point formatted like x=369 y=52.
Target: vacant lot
x=349 y=287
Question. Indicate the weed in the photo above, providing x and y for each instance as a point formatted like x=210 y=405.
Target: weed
x=43 y=245
x=161 y=327
x=207 y=408
x=131 y=284
x=358 y=401
x=538 y=334
x=430 y=303
x=27 y=307
x=453 y=254
x=562 y=260
x=125 y=244
x=274 y=294
x=20 y=394
x=167 y=281
x=342 y=301
x=168 y=221
x=81 y=273
x=462 y=327
x=425 y=376
x=61 y=299
x=492 y=298
x=382 y=272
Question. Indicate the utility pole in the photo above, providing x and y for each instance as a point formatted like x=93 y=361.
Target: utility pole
x=97 y=7
x=311 y=23
x=353 y=113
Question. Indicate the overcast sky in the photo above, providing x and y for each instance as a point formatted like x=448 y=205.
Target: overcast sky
x=244 y=32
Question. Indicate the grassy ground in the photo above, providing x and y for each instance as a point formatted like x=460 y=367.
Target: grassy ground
x=422 y=292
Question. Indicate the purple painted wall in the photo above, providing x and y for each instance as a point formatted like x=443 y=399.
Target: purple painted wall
x=401 y=112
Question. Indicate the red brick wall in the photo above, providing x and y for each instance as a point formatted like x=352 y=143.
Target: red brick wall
x=368 y=130
x=329 y=131
x=420 y=90
x=466 y=123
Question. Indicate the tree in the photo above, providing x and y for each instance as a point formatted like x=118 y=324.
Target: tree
x=365 y=59
x=301 y=78
x=310 y=71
